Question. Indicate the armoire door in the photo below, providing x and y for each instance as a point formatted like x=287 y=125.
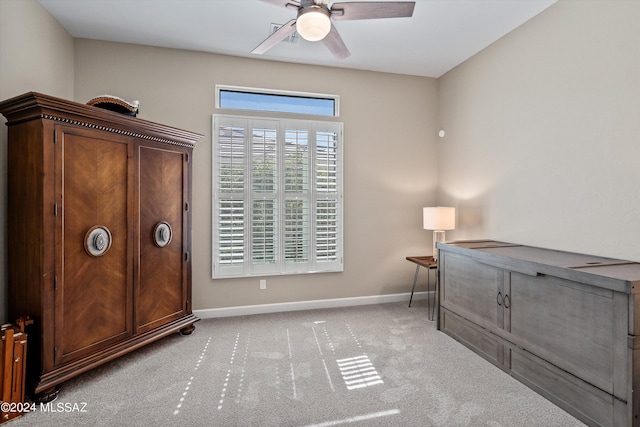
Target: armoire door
x=161 y=288
x=93 y=279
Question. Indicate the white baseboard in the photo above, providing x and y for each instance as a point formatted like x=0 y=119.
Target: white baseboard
x=244 y=310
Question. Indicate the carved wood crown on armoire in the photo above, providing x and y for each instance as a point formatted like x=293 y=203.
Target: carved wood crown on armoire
x=98 y=234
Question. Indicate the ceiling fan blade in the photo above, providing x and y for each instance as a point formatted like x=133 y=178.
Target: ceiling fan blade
x=282 y=33
x=372 y=10
x=284 y=3
x=334 y=42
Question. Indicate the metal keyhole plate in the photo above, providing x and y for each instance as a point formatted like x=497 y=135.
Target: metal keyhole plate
x=97 y=241
x=162 y=234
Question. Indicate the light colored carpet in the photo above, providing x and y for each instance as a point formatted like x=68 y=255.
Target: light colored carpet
x=376 y=365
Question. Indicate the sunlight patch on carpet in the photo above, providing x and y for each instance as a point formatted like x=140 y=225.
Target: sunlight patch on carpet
x=358 y=372
x=188 y=386
x=357 y=418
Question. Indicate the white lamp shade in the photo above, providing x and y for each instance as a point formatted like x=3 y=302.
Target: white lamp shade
x=313 y=25
x=439 y=218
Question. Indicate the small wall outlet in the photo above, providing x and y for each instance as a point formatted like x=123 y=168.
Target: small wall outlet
x=263 y=284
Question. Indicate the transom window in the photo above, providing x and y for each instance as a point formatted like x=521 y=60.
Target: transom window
x=277 y=202
x=252 y=99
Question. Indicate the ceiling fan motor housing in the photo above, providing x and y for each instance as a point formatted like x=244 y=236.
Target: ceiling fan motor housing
x=314 y=22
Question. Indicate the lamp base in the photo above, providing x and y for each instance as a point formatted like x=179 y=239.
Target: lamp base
x=438 y=236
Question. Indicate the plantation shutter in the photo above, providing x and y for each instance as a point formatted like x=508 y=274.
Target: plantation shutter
x=297 y=170
x=277 y=196
x=229 y=210
x=264 y=186
x=327 y=198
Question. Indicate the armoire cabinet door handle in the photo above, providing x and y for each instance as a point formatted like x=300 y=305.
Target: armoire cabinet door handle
x=507 y=301
x=499 y=298
x=97 y=241
x=162 y=234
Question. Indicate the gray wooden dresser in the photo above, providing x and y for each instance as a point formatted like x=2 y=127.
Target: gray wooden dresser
x=562 y=323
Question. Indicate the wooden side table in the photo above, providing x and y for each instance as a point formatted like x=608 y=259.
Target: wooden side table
x=430 y=264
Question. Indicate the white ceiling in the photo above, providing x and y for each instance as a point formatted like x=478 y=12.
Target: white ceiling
x=440 y=35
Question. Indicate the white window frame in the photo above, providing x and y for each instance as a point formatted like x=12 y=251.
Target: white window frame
x=315 y=263
x=286 y=93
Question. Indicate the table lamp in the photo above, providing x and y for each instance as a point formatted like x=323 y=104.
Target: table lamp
x=438 y=219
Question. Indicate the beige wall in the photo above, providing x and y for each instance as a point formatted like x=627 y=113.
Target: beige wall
x=389 y=158
x=542 y=139
x=36 y=54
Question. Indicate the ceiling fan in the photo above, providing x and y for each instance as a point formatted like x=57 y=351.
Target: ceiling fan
x=314 y=20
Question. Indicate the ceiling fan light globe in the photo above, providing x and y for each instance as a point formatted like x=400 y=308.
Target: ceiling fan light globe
x=313 y=25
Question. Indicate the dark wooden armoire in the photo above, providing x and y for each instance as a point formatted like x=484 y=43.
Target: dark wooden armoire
x=98 y=234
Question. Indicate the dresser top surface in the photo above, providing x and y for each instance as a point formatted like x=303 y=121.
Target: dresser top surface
x=534 y=260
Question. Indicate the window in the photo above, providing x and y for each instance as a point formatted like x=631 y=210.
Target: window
x=240 y=98
x=277 y=202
